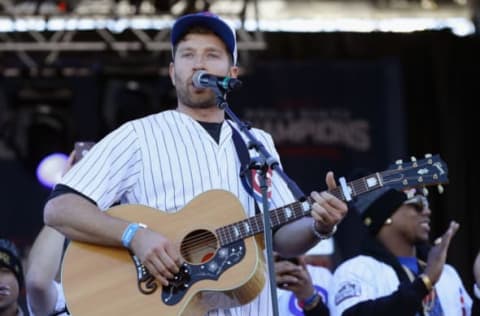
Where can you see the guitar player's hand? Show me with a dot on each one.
(157, 253)
(327, 210)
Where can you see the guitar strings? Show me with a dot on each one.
(358, 186)
(206, 237)
(198, 240)
(239, 230)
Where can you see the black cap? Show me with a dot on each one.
(377, 206)
(10, 259)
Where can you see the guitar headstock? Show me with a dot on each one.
(419, 174)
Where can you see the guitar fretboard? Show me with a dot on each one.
(288, 213)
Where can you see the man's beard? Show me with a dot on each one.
(188, 99)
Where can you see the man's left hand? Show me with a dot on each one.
(327, 210)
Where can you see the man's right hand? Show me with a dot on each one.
(438, 254)
(157, 254)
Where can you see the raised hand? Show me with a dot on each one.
(476, 269)
(438, 254)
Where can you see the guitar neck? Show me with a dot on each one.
(288, 213)
(429, 171)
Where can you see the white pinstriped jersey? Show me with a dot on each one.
(165, 160)
(364, 278)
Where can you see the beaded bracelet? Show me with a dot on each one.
(321, 236)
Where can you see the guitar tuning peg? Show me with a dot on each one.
(428, 155)
(440, 188)
(425, 191)
(413, 158)
(399, 162)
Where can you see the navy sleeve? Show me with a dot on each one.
(476, 306)
(406, 301)
(64, 189)
(320, 310)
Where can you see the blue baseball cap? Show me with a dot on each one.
(212, 22)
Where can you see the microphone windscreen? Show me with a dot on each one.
(197, 78)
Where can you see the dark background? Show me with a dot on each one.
(418, 92)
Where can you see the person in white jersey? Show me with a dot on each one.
(42, 278)
(167, 159)
(44, 292)
(394, 275)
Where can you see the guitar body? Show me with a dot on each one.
(102, 281)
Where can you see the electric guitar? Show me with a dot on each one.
(221, 248)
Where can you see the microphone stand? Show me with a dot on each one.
(261, 164)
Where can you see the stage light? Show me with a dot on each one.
(50, 169)
(40, 125)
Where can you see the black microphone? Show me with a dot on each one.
(202, 79)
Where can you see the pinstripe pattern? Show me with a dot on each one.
(165, 160)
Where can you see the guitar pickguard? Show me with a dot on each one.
(145, 281)
(225, 258)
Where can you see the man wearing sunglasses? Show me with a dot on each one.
(389, 277)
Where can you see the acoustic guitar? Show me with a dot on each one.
(221, 248)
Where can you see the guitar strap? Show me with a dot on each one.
(244, 156)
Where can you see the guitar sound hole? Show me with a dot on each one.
(199, 246)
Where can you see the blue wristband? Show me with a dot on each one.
(309, 300)
(129, 233)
